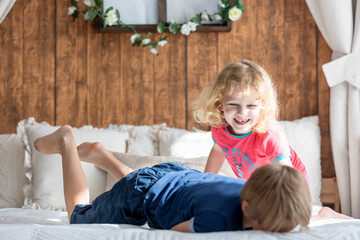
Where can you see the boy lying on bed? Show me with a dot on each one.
(173, 196)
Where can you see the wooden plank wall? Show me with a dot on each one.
(63, 72)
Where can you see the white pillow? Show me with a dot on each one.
(304, 137)
(137, 161)
(143, 139)
(44, 189)
(12, 178)
(185, 144)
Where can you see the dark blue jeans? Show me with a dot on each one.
(124, 203)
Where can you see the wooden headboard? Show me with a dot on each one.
(329, 193)
(63, 72)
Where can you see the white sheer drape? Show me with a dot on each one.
(5, 6)
(339, 23)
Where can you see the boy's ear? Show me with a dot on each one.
(244, 208)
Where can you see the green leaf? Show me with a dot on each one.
(89, 15)
(73, 2)
(131, 27)
(137, 42)
(75, 15)
(225, 16)
(108, 10)
(161, 27)
(196, 19)
(163, 38)
(99, 3)
(174, 27)
(242, 8)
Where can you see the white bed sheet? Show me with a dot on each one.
(17, 223)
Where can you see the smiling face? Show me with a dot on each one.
(241, 111)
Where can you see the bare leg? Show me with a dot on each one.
(62, 141)
(97, 154)
(327, 213)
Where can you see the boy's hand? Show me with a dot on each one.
(181, 227)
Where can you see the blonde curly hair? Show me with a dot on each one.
(238, 75)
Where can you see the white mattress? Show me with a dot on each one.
(17, 223)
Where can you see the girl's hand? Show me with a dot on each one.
(286, 162)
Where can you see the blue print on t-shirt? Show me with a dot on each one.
(242, 161)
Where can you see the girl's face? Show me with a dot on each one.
(241, 111)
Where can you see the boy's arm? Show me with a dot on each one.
(215, 160)
(206, 222)
(182, 227)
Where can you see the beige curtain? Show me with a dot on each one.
(339, 23)
(5, 6)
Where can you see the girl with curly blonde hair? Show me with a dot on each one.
(242, 109)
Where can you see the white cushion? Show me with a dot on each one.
(143, 139)
(304, 137)
(137, 161)
(44, 189)
(12, 178)
(185, 144)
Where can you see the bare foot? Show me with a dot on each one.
(56, 141)
(94, 153)
(327, 213)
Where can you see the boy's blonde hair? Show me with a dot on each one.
(239, 75)
(277, 195)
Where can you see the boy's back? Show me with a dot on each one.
(212, 200)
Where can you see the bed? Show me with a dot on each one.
(19, 223)
(31, 196)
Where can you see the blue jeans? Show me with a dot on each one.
(123, 204)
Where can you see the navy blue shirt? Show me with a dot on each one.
(210, 200)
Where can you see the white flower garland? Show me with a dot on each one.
(228, 9)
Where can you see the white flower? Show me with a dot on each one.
(185, 29)
(221, 4)
(89, 3)
(234, 14)
(111, 17)
(162, 43)
(192, 26)
(205, 16)
(134, 37)
(146, 41)
(71, 10)
(217, 17)
(158, 30)
(153, 51)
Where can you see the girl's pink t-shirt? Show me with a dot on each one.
(247, 152)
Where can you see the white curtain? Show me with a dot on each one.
(5, 6)
(339, 23)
